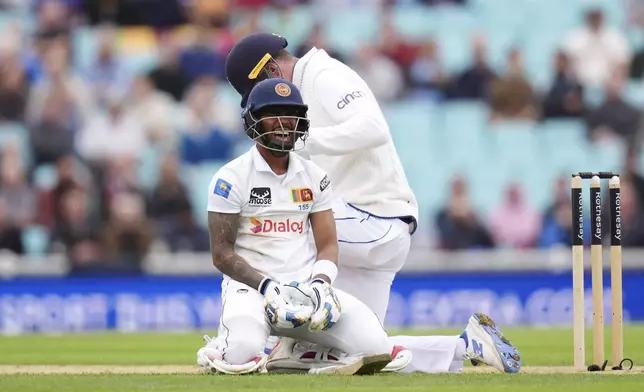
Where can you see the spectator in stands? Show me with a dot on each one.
(154, 109)
(17, 196)
(397, 48)
(75, 233)
(474, 82)
(67, 180)
(53, 26)
(511, 95)
(635, 13)
(117, 176)
(214, 13)
(316, 39)
(206, 94)
(112, 135)
(14, 84)
(51, 137)
(108, 75)
(203, 139)
(515, 223)
(565, 97)
(53, 18)
(596, 50)
(168, 75)
(199, 59)
(427, 73)
(128, 234)
(557, 225)
(382, 74)
(172, 212)
(61, 82)
(10, 235)
(252, 4)
(614, 117)
(250, 24)
(458, 225)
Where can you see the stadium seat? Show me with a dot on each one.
(17, 134)
(348, 29)
(416, 132)
(464, 134)
(35, 240)
(565, 145)
(45, 176)
(454, 30)
(607, 155)
(198, 179)
(593, 96)
(84, 46)
(149, 168)
(288, 24)
(414, 22)
(634, 94)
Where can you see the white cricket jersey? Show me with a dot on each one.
(350, 139)
(274, 211)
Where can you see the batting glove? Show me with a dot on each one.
(327, 307)
(286, 306)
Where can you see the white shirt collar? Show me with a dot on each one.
(300, 66)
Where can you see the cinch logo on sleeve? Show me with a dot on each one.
(271, 226)
(347, 99)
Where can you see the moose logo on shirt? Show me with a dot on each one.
(260, 197)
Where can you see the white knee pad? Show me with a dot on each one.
(210, 359)
(241, 351)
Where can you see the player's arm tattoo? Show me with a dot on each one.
(223, 234)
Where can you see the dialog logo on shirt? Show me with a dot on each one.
(347, 99)
(301, 195)
(260, 196)
(276, 226)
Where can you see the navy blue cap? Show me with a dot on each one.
(247, 59)
(274, 92)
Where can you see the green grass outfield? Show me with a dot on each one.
(146, 362)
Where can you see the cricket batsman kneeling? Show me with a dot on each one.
(262, 207)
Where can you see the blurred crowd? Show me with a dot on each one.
(87, 126)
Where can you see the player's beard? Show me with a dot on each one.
(279, 148)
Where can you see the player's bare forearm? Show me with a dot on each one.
(326, 238)
(223, 234)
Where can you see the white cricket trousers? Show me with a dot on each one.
(244, 329)
(372, 251)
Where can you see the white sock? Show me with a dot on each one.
(461, 350)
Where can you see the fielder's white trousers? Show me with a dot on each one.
(372, 251)
(244, 329)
